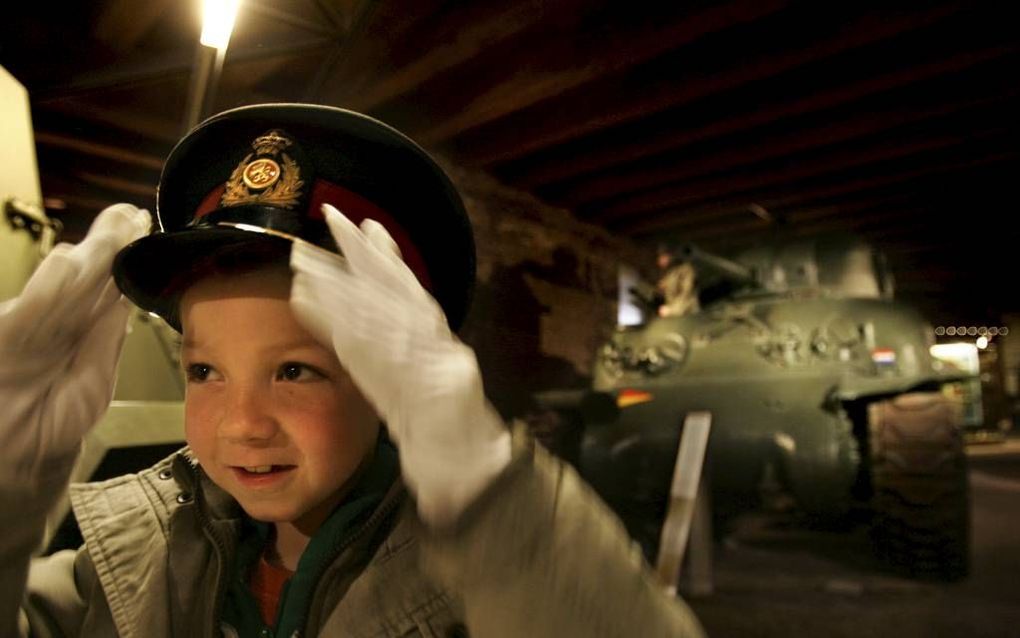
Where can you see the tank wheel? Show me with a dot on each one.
(919, 494)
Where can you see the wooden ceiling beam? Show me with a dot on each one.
(158, 69)
(690, 193)
(572, 161)
(342, 15)
(786, 220)
(118, 184)
(378, 35)
(475, 29)
(84, 202)
(98, 186)
(290, 18)
(612, 104)
(851, 218)
(655, 172)
(95, 149)
(546, 67)
(666, 217)
(123, 23)
(125, 119)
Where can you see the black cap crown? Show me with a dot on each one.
(261, 174)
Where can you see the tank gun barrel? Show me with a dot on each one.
(711, 266)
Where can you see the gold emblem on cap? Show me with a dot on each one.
(262, 180)
(272, 143)
(260, 174)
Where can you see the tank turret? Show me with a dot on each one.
(713, 268)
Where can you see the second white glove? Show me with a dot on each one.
(393, 339)
(60, 340)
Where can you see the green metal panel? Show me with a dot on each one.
(19, 180)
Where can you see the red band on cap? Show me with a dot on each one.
(354, 207)
(211, 201)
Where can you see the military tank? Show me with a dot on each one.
(815, 377)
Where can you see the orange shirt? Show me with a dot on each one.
(267, 583)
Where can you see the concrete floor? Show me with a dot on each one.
(773, 577)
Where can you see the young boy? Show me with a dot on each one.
(304, 331)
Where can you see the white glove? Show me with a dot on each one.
(59, 345)
(393, 339)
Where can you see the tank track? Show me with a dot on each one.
(919, 488)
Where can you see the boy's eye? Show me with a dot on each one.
(297, 372)
(199, 372)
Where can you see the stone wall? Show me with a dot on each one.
(546, 295)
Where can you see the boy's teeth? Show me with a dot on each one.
(259, 469)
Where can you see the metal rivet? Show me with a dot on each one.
(166, 474)
(183, 497)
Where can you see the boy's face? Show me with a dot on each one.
(262, 395)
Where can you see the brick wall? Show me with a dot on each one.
(546, 292)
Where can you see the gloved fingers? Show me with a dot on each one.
(379, 237)
(39, 319)
(85, 390)
(119, 224)
(55, 273)
(373, 254)
(426, 304)
(314, 268)
(114, 228)
(367, 260)
(333, 307)
(327, 296)
(367, 330)
(54, 310)
(42, 291)
(316, 309)
(351, 314)
(109, 296)
(317, 262)
(385, 275)
(60, 295)
(99, 348)
(307, 305)
(68, 324)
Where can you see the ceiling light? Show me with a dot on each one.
(218, 22)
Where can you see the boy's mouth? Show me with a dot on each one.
(261, 472)
(260, 469)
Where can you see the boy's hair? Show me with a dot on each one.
(265, 253)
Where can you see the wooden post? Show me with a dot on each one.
(676, 527)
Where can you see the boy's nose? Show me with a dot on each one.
(247, 418)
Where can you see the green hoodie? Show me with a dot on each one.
(241, 610)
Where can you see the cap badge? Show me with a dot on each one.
(267, 176)
(262, 173)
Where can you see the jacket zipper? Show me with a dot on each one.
(379, 514)
(218, 544)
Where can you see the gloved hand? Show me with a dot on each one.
(60, 340)
(393, 339)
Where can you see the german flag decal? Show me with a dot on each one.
(629, 397)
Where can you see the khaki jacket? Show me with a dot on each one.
(537, 555)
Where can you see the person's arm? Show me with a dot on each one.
(532, 551)
(539, 554)
(60, 340)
